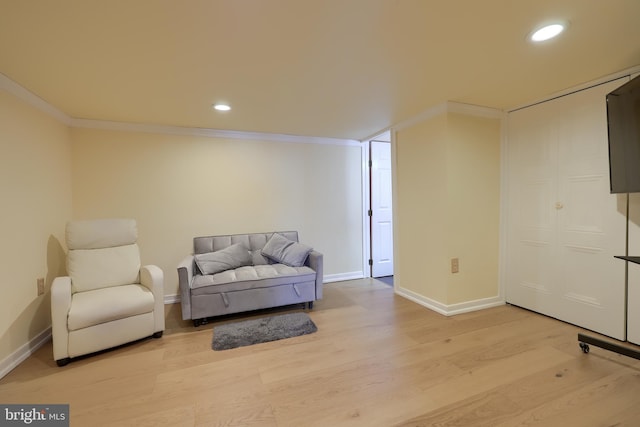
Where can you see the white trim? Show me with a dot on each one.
(24, 351)
(504, 197)
(172, 299)
(35, 101)
(394, 206)
(375, 136)
(450, 107)
(366, 203)
(366, 197)
(329, 278)
(474, 110)
(587, 85)
(425, 115)
(206, 132)
(32, 99)
(450, 309)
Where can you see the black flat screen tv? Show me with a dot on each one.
(623, 122)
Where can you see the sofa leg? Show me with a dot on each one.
(63, 362)
(198, 322)
(157, 334)
(310, 305)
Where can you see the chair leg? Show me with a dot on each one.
(63, 362)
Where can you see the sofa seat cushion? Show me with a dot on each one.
(98, 306)
(250, 277)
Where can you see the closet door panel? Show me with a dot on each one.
(633, 307)
(532, 193)
(563, 226)
(591, 230)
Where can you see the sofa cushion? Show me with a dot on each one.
(285, 251)
(92, 308)
(231, 257)
(250, 277)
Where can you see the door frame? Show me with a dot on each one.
(366, 199)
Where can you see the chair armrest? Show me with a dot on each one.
(152, 277)
(315, 261)
(60, 305)
(185, 276)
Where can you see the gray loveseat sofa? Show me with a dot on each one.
(241, 272)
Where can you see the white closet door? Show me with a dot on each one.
(633, 309)
(633, 306)
(531, 234)
(564, 226)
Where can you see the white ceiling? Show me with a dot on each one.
(325, 68)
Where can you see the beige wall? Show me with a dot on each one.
(447, 205)
(421, 208)
(178, 187)
(35, 185)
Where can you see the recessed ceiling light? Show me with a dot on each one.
(221, 107)
(547, 32)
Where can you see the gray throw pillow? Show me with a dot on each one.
(231, 257)
(285, 251)
(258, 258)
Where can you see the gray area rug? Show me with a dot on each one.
(254, 331)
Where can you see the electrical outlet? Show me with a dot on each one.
(40, 286)
(455, 265)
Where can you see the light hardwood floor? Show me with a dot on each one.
(376, 360)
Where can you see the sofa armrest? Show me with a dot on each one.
(60, 305)
(185, 276)
(315, 261)
(152, 277)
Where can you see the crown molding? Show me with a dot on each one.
(474, 110)
(206, 132)
(450, 107)
(35, 101)
(32, 99)
(425, 115)
(629, 72)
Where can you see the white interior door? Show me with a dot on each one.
(381, 210)
(564, 226)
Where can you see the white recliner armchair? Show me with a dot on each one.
(107, 299)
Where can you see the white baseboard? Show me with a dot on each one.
(450, 309)
(172, 299)
(26, 350)
(328, 278)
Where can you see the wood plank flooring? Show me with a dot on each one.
(376, 360)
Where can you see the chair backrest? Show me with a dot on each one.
(102, 253)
